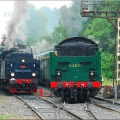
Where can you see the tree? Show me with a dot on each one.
(59, 34)
(107, 64)
(104, 33)
(37, 25)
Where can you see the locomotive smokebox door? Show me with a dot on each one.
(118, 91)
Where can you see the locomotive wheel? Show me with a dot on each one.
(88, 95)
(62, 95)
(68, 99)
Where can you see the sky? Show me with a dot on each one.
(51, 4)
(7, 7)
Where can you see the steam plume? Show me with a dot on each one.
(42, 46)
(71, 18)
(16, 26)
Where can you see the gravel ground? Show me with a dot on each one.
(111, 99)
(103, 114)
(12, 108)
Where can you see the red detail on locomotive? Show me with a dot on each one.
(33, 90)
(20, 81)
(22, 66)
(79, 84)
(13, 90)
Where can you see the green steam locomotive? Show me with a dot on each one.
(72, 69)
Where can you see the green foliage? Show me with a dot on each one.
(11, 116)
(59, 34)
(107, 82)
(37, 25)
(107, 63)
(32, 40)
(104, 33)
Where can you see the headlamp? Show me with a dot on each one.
(33, 74)
(58, 73)
(23, 60)
(91, 73)
(12, 74)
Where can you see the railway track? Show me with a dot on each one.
(107, 100)
(62, 106)
(87, 109)
(106, 104)
(14, 108)
(37, 114)
(46, 109)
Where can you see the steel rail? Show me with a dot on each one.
(107, 108)
(89, 111)
(106, 100)
(62, 108)
(38, 115)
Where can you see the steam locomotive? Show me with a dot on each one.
(19, 71)
(72, 69)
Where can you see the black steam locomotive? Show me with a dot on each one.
(19, 71)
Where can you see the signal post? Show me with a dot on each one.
(117, 70)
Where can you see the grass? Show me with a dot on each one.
(107, 82)
(11, 117)
(3, 97)
(8, 116)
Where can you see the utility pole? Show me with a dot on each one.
(92, 8)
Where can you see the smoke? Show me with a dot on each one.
(94, 39)
(16, 27)
(71, 18)
(42, 46)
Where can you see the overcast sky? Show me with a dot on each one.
(7, 7)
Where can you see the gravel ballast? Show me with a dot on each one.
(12, 108)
